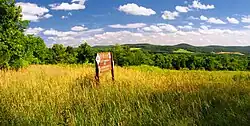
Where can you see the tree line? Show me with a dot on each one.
(125, 56)
(19, 50)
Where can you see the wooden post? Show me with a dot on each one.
(97, 73)
(112, 67)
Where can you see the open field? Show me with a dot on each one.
(63, 95)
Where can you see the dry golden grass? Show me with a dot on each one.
(66, 95)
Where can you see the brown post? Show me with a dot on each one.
(112, 67)
(97, 78)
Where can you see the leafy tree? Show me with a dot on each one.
(119, 54)
(58, 54)
(86, 54)
(71, 57)
(38, 50)
(15, 47)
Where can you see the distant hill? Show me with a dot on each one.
(182, 51)
(187, 47)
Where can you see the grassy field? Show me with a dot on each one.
(65, 95)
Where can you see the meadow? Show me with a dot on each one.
(142, 95)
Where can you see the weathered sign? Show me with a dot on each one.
(104, 63)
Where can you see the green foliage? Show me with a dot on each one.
(58, 53)
(85, 54)
(17, 50)
(182, 51)
(124, 56)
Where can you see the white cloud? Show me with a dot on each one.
(64, 17)
(215, 21)
(193, 18)
(34, 31)
(167, 15)
(48, 15)
(33, 12)
(53, 32)
(70, 14)
(181, 33)
(160, 28)
(248, 26)
(204, 27)
(167, 27)
(198, 5)
(79, 28)
(186, 27)
(80, 1)
(75, 5)
(70, 38)
(134, 9)
(245, 19)
(182, 9)
(232, 20)
(135, 25)
(220, 31)
(190, 23)
(199, 38)
(152, 28)
(203, 18)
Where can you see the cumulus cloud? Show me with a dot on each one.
(203, 18)
(74, 5)
(221, 31)
(185, 27)
(71, 38)
(167, 27)
(48, 16)
(152, 28)
(34, 31)
(134, 25)
(168, 15)
(248, 26)
(215, 21)
(204, 27)
(245, 19)
(198, 5)
(193, 18)
(53, 32)
(160, 28)
(190, 23)
(182, 9)
(161, 34)
(199, 38)
(134, 9)
(33, 12)
(79, 28)
(232, 20)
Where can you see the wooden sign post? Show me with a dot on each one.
(104, 62)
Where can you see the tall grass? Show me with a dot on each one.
(67, 95)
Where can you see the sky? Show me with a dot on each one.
(159, 22)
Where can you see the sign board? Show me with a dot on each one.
(104, 63)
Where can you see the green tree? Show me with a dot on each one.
(38, 50)
(14, 45)
(71, 57)
(120, 54)
(86, 54)
(58, 53)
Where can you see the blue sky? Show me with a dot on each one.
(165, 22)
